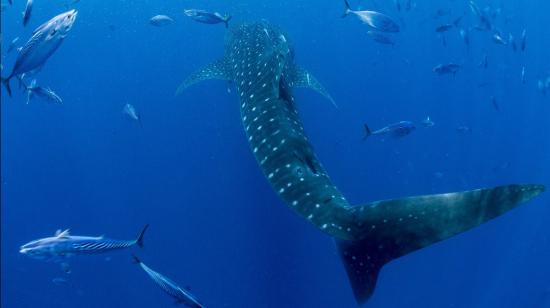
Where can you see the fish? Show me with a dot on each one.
(450, 68)
(444, 28)
(62, 245)
(161, 20)
(45, 93)
(523, 75)
(208, 17)
(396, 130)
(495, 103)
(463, 129)
(12, 44)
(41, 46)
(374, 19)
(484, 62)
(523, 39)
(27, 13)
(259, 60)
(181, 295)
(512, 42)
(497, 38)
(132, 113)
(380, 38)
(427, 122)
(465, 35)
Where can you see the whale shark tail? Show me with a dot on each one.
(386, 230)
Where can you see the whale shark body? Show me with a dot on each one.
(259, 61)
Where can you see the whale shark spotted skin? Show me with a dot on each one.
(259, 61)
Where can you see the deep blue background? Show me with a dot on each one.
(215, 223)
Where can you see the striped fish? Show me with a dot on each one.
(62, 244)
(181, 295)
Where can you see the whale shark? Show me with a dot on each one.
(259, 61)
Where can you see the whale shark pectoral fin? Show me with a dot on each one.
(215, 70)
(386, 230)
(300, 78)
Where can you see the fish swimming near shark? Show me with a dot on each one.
(259, 61)
(376, 20)
(43, 43)
(181, 295)
(396, 130)
(63, 244)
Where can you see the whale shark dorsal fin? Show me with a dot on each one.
(62, 234)
(300, 78)
(216, 70)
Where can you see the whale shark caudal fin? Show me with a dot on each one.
(216, 70)
(386, 230)
(300, 78)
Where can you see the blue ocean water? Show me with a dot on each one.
(215, 223)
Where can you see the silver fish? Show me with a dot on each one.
(427, 122)
(27, 13)
(497, 38)
(523, 75)
(374, 19)
(62, 244)
(523, 40)
(131, 112)
(181, 295)
(450, 68)
(208, 17)
(160, 20)
(45, 93)
(43, 43)
(380, 38)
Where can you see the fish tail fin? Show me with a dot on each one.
(136, 259)
(347, 9)
(6, 83)
(368, 132)
(139, 240)
(226, 20)
(382, 231)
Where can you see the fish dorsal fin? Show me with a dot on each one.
(216, 70)
(62, 234)
(300, 78)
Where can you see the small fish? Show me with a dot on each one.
(27, 13)
(512, 42)
(45, 93)
(457, 21)
(523, 75)
(464, 34)
(59, 281)
(427, 122)
(408, 5)
(523, 39)
(62, 244)
(132, 113)
(484, 62)
(463, 129)
(160, 20)
(441, 12)
(397, 5)
(450, 68)
(396, 130)
(208, 17)
(374, 19)
(12, 44)
(181, 295)
(380, 38)
(497, 38)
(43, 43)
(495, 103)
(444, 28)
